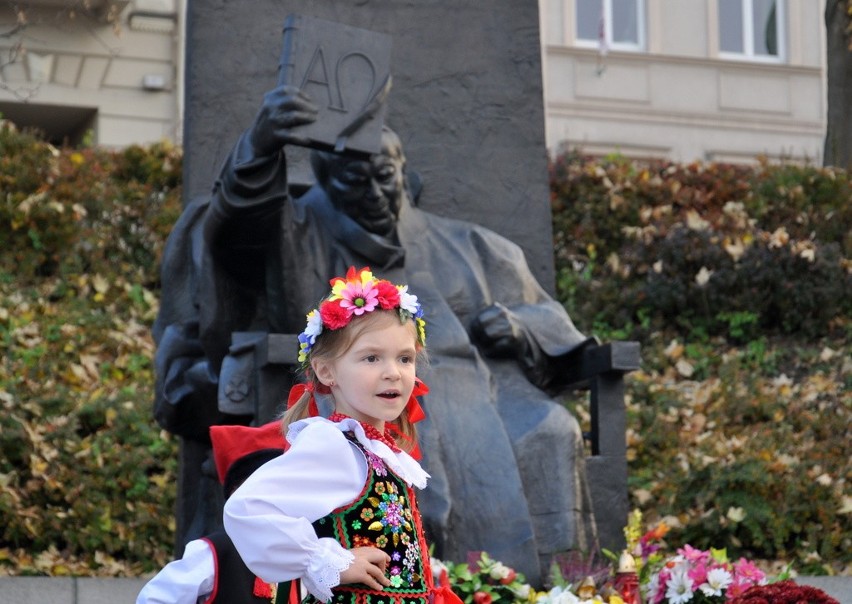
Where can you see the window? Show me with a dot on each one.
(752, 29)
(616, 24)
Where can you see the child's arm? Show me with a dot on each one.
(269, 517)
(183, 581)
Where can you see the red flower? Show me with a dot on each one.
(334, 316)
(388, 295)
(481, 597)
(510, 576)
(784, 592)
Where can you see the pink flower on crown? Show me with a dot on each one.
(358, 298)
(358, 293)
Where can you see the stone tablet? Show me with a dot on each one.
(345, 70)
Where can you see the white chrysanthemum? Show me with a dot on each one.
(718, 580)
(314, 326)
(679, 588)
(408, 301)
(558, 595)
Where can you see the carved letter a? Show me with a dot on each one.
(321, 79)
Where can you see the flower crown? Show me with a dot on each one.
(353, 296)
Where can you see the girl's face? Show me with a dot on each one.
(373, 379)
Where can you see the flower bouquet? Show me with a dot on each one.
(483, 580)
(701, 577)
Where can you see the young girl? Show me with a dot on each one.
(338, 510)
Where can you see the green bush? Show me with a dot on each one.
(87, 475)
(693, 246)
(737, 281)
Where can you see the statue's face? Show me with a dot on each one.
(370, 192)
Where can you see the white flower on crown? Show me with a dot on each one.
(314, 326)
(408, 301)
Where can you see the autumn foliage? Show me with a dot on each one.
(86, 477)
(737, 281)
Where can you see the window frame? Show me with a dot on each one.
(748, 54)
(638, 46)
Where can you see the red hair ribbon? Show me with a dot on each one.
(298, 390)
(415, 414)
(413, 408)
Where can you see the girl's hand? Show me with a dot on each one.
(367, 568)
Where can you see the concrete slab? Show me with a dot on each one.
(23, 590)
(839, 588)
(93, 590)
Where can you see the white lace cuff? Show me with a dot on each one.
(324, 568)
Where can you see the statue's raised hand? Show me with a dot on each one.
(284, 109)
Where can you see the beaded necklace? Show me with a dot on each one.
(371, 432)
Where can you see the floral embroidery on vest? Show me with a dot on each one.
(384, 515)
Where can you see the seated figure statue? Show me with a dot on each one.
(506, 460)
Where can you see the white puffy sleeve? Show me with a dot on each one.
(269, 517)
(186, 581)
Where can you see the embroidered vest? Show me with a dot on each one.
(385, 516)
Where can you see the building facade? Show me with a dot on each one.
(714, 80)
(105, 72)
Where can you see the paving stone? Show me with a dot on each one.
(93, 590)
(24, 590)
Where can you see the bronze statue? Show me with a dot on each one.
(507, 470)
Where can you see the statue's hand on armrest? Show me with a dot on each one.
(284, 109)
(499, 333)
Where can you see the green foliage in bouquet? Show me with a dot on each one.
(483, 580)
(86, 475)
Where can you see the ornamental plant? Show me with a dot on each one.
(701, 577)
(483, 580)
(691, 575)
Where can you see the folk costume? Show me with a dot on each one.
(210, 569)
(343, 484)
(336, 489)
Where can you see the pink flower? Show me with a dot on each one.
(698, 572)
(694, 556)
(359, 298)
(745, 570)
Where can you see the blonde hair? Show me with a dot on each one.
(331, 345)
